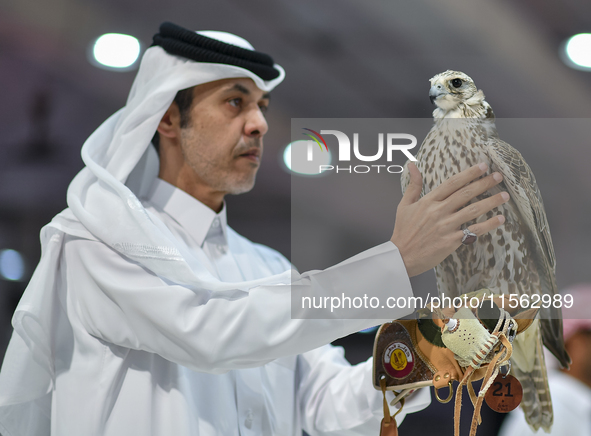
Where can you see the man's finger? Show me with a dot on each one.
(483, 227)
(456, 182)
(468, 192)
(474, 210)
(414, 188)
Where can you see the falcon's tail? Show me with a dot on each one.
(536, 403)
(553, 339)
(551, 317)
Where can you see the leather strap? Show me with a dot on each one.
(491, 372)
(388, 426)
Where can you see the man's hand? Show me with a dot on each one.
(428, 229)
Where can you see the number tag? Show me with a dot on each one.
(505, 394)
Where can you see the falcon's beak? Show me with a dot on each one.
(435, 92)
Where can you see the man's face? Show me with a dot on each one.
(223, 141)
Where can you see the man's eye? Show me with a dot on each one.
(235, 102)
(263, 108)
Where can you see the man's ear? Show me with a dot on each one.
(170, 124)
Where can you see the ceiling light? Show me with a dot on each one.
(577, 52)
(12, 265)
(305, 157)
(116, 51)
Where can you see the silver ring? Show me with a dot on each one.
(469, 237)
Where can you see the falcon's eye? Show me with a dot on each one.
(456, 83)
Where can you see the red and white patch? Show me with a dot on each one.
(398, 360)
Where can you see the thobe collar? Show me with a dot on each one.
(201, 222)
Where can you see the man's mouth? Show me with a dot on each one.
(253, 154)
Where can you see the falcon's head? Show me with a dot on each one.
(452, 88)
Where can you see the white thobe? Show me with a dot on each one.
(148, 357)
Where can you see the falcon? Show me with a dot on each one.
(516, 258)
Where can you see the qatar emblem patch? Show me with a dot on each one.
(398, 360)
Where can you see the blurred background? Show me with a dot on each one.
(344, 59)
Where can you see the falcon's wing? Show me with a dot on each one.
(523, 188)
(521, 184)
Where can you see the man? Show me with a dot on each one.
(148, 315)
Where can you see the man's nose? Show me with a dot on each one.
(256, 124)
